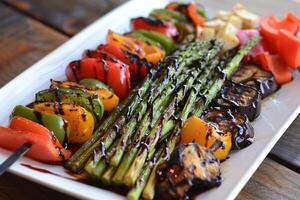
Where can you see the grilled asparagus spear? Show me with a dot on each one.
(127, 130)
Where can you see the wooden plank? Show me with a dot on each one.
(13, 187)
(68, 17)
(272, 181)
(287, 149)
(22, 43)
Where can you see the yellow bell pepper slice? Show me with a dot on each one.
(201, 132)
(79, 120)
(108, 98)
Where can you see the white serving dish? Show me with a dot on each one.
(278, 111)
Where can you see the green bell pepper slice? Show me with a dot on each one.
(169, 14)
(90, 101)
(89, 82)
(164, 41)
(144, 38)
(201, 11)
(54, 123)
(184, 26)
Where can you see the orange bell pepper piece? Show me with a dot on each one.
(125, 43)
(135, 46)
(197, 19)
(201, 132)
(275, 64)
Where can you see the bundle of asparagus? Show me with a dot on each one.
(143, 131)
(158, 78)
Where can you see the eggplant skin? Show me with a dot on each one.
(240, 98)
(191, 169)
(234, 122)
(253, 76)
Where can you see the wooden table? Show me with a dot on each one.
(29, 29)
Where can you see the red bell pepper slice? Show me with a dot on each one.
(264, 61)
(151, 24)
(115, 74)
(267, 46)
(118, 77)
(101, 55)
(275, 64)
(290, 23)
(289, 48)
(138, 67)
(268, 31)
(85, 68)
(192, 13)
(280, 39)
(270, 26)
(45, 146)
(291, 16)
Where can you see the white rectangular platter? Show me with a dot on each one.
(278, 111)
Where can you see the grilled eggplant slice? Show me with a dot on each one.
(256, 77)
(191, 168)
(241, 98)
(234, 122)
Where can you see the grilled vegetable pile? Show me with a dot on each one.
(158, 108)
(65, 114)
(72, 110)
(136, 138)
(126, 59)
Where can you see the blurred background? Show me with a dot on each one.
(69, 16)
